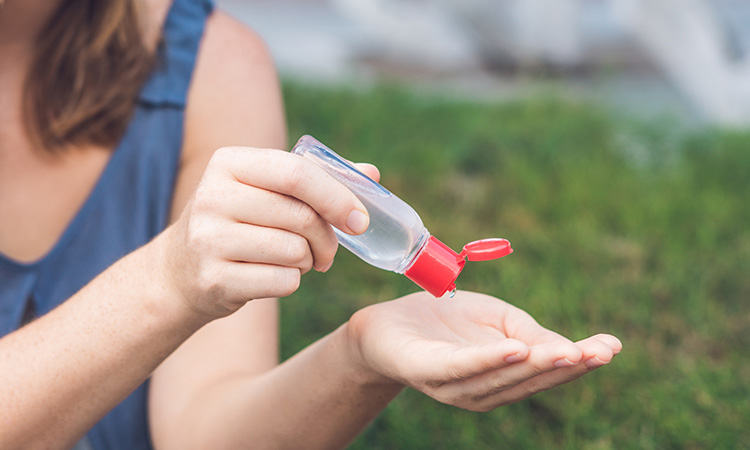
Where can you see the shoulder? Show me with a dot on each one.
(234, 99)
(235, 83)
(228, 41)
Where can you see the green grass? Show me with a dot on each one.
(618, 226)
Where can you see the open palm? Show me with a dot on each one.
(473, 351)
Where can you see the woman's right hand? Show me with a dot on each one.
(257, 221)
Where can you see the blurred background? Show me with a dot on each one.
(683, 57)
(607, 139)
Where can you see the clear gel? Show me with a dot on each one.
(395, 234)
(396, 239)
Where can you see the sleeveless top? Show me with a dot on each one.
(129, 205)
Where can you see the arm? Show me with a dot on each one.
(60, 374)
(109, 336)
(222, 388)
(227, 365)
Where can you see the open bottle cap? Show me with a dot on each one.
(486, 249)
(437, 266)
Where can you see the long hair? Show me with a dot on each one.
(89, 64)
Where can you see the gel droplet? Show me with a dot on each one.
(452, 293)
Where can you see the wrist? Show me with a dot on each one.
(349, 340)
(169, 297)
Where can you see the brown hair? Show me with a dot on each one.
(89, 64)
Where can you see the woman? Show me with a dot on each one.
(131, 250)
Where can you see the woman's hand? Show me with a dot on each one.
(257, 221)
(472, 351)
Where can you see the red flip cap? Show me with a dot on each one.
(436, 268)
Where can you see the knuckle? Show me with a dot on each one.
(496, 386)
(210, 281)
(434, 383)
(481, 407)
(489, 401)
(306, 217)
(297, 172)
(457, 398)
(456, 367)
(502, 384)
(468, 402)
(222, 155)
(201, 197)
(537, 367)
(328, 252)
(288, 281)
(223, 162)
(207, 198)
(533, 386)
(305, 265)
(198, 238)
(453, 371)
(334, 205)
(296, 250)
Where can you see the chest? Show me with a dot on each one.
(40, 195)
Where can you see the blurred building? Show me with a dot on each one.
(651, 54)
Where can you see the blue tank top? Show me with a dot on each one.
(129, 205)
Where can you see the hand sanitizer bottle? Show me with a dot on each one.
(396, 239)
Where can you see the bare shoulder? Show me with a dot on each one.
(235, 83)
(228, 43)
(234, 99)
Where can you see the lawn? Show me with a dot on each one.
(637, 229)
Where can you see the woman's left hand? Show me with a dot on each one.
(472, 351)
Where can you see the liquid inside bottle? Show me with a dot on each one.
(395, 235)
(396, 239)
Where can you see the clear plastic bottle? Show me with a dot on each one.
(396, 239)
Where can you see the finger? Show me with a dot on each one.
(614, 343)
(542, 358)
(521, 325)
(369, 170)
(448, 363)
(233, 284)
(270, 209)
(527, 388)
(596, 352)
(297, 177)
(591, 348)
(254, 244)
(502, 316)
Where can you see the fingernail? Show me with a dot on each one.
(326, 267)
(514, 358)
(564, 362)
(594, 362)
(357, 221)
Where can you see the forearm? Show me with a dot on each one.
(316, 400)
(63, 372)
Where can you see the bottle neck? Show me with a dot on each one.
(414, 253)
